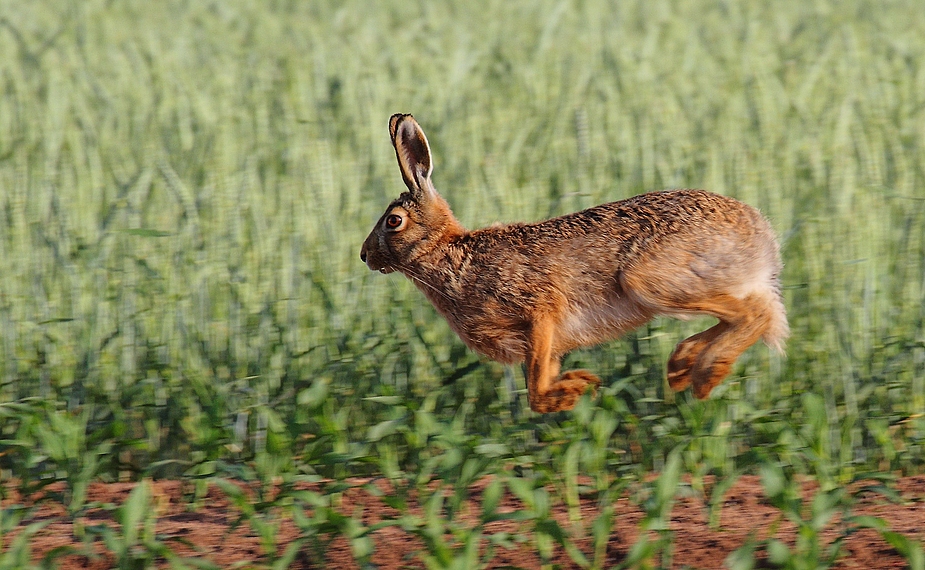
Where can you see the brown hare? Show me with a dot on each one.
(532, 292)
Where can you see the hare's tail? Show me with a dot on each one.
(777, 330)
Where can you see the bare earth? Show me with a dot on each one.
(204, 530)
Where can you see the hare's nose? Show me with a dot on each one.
(363, 255)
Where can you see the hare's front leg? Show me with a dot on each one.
(547, 390)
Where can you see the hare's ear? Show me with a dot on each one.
(413, 154)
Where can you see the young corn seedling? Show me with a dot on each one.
(134, 543)
(17, 554)
(811, 518)
(320, 522)
(648, 553)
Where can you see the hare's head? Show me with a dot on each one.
(419, 220)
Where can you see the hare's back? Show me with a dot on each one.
(687, 212)
(704, 243)
(676, 221)
(676, 227)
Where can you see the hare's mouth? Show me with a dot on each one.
(373, 266)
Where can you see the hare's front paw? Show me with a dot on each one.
(565, 391)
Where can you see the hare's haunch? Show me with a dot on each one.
(533, 292)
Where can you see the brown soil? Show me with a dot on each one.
(203, 529)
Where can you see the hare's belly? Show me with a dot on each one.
(504, 339)
(500, 341)
(594, 323)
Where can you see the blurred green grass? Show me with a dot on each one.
(184, 187)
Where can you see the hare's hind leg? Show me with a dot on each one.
(706, 358)
(547, 390)
(742, 323)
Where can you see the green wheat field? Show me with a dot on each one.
(185, 186)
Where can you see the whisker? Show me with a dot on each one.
(417, 277)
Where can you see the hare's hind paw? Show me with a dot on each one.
(679, 367)
(705, 378)
(686, 367)
(683, 360)
(565, 391)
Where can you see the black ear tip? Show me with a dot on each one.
(395, 120)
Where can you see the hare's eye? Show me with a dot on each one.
(393, 221)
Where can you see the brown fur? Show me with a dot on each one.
(533, 292)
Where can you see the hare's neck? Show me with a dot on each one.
(434, 269)
(437, 272)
